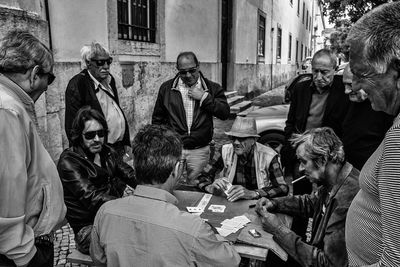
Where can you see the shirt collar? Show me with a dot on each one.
(155, 193)
(15, 90)
(181, 83)
(96, 82)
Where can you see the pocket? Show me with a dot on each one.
(43, 222)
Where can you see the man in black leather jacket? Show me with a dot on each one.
(90, 173)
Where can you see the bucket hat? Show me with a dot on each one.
(243, 127)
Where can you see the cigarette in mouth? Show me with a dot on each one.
(298, 179)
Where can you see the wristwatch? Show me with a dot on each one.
(258, 195)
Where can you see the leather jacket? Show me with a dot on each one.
(87, 186)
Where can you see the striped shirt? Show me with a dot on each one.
(188, 102)
(373, 219)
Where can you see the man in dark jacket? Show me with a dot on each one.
(315, 103)
(187, 103)
(322, 158)
(90, 173)
(95, 87)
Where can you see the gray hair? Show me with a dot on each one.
(328, 53)
(21, 51)
(379, 32)
(91, 51)
(321, 145)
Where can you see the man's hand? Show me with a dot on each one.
(218, 184)
(239, 192)
(270, 221)
(265, 204)
(196, 93)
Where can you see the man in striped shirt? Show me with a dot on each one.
(372, 225)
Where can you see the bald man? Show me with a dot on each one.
(363, 128)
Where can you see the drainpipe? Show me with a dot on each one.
(46, 7)
(272, 43)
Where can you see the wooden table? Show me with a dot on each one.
(237, 208)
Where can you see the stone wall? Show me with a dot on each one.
(252, 80)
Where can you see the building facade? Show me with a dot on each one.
(249, 46)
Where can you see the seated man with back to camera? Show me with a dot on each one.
(90, 173)
(148, 229)
(322, 158)
(252, 168)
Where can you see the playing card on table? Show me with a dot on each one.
(194, 209)
(217, 208)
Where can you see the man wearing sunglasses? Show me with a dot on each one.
(249, 169)
(90, 173)
(187, 103)
(31, 200)
(95, 87)
(148, 229)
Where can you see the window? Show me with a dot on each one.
(290, 47)
(301, 53)
(297, 51)
(307, 20)
(137, 20)
(279, 43)
(309, 24)
(298, 7)
(261, 35)
(304, 9)
(305, 52)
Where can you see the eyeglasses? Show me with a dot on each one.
(234, 138)
(184, 72)
(92, 134)
(50, 76)
(101, 62)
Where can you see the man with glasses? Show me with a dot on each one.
(187, 103)
(250, 170)
(95, 87)
(315, 103)
(31, 202)
(90, 173)
(148, 229)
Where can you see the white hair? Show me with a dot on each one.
(89, 52)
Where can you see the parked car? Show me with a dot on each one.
(270, 123)
(305, 66)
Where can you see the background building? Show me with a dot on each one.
(249, 46)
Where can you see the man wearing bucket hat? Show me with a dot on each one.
(253, 170)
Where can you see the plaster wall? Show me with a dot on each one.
(75, 23)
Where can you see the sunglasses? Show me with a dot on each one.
(234, 138)
(191, 71)
(92, 134)
(101, 62)
(50, 76)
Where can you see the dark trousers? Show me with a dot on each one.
(44, 256)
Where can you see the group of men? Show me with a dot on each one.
(147, 228)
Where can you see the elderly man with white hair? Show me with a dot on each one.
(322, 159)
(95, 87)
